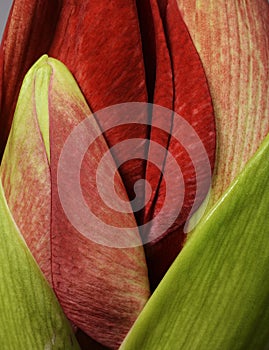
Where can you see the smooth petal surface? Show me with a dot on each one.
(232, 39)
(30, 315)
(101, 289)
(216, 294)
(28, 34)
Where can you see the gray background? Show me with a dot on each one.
(4, 10)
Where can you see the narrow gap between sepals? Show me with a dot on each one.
(148, 40)
(147, 32)
(162, 5)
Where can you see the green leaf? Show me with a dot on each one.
(30, 316)
(216, 294)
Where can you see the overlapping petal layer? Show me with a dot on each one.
(216, 293)
(101, 289)
(121, 51)
(31, 317)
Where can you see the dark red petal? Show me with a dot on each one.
(27, 36)
(100, 43)
(192, 101)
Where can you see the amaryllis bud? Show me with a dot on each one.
(121, 52)
(112, 68)
(137, 61)
(215, 296)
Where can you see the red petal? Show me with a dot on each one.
(232, 38)
(192, 101)
(101, 45)
(27, 36)
(159, 70)
(102, 289)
